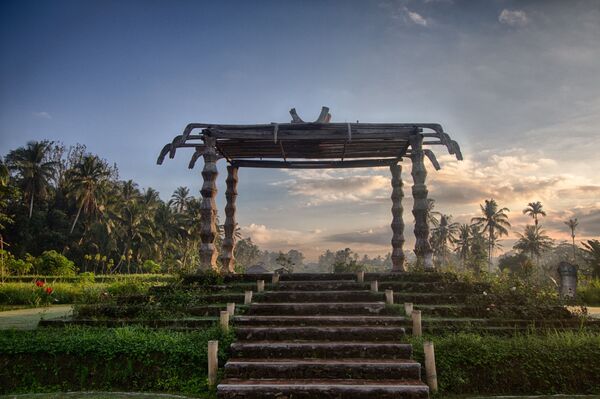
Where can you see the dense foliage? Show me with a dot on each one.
(565, 362)
(130, 359)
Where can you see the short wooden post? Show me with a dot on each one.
(260, 285)
(389, 297)
(231, 308)
(408, 308)
(374, 286)
(430, 366)
(275, 278)
(247, 297)
(225, 320)
(360, 277)
(416, 318)
(213, 362)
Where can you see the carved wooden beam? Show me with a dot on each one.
(358, 163)
(419, 192)
(208, 208)
(227, 259)
(398, 257)
(324, 116)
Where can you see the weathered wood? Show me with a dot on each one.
(224, 320)
(419, 192)
(247, 297)
(231, 308)
(397, 225)
(208, 208)
(360, 277)
(408, 308)
(213, 362)
(228, 245)
(368, 163)
(417, 329)
(374, 286)
(260, 285)
(389, 297)
(430, 369)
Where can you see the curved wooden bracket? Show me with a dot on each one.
(163, 153)
(324, 116)
(429, 154)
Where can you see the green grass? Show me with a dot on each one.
(27, 319)
(94, 395)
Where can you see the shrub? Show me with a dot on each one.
(151, 266)
(566, 362)
(132, 359)
(589, 293)
(53, 263)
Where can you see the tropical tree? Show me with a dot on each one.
(463, 242)
(85, 183)
(592, 252)
(572, 224)
(494, 222)
(535, 210)
(534, 241)
(432, 214)
(34, 170)
(444, 235)
(180, 198)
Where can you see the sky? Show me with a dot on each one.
(516, 83)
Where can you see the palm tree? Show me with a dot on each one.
(533, 241)
(495, 222)
(431, 214)
(33, 169)
(180, 198)
(4, 174)
(534, 209)
(444, 234)
(85, 181)
(592, 251)
(573, 223)
(463, 242)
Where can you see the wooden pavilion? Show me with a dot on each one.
(312, 145)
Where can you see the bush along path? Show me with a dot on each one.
(311, 337)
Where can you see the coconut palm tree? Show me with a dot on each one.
(494, 222)
(534, 241)
(85, 183)
(463, 242)
(535, 210)
(592, 251)
(444, 234)
(34, 169)
(180, 198)
(572, 224)
(432, 215)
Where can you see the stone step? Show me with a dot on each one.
(319, 296)
(321, 350)
(322, 389)
(316, 309)
(317, 368)
(298, 321)
(332, 333)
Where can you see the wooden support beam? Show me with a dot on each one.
(227, 260)
(360, 163)
(419, 192)
(208, 208)
(397, 225)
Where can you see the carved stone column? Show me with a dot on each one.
(208, 208)
(397, 221)
(419, 192)
(227, 261)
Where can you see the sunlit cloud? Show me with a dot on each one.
(515, 18)
(42, 115)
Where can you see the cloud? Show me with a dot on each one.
(328, 186)
(380, 235)
(416, 18)
(42, 115)
(516, 18)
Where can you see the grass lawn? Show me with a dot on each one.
(27, 319)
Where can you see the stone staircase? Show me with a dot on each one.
(320, 336)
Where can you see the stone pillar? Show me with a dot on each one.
(397, 221)
(419, 192)
(568, 280)
(208, 208)
(227, 260)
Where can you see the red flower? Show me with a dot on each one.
(39, 283)
(49, 290)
